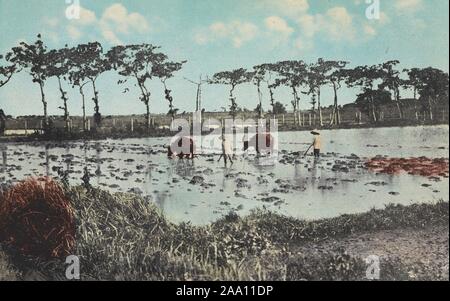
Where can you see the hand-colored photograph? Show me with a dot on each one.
(225, 140)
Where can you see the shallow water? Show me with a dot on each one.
(300, 187)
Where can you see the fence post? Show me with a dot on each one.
(26, 127)
(89, 125)
(283, 118)
(309, 115)
(132, 125)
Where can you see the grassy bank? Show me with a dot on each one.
(122, 237)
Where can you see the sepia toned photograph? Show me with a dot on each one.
(200, 142)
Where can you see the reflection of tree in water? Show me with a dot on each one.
(98, 160)
(4, 150)
(47, 160)
(182, 167)
(160, 199)
(148, 179)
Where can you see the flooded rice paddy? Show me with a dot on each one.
(202, 190)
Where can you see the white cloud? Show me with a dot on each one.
(303, 44)
(278, 25)
(115, 21)
(117, 17)
(336, 24)
(369, 30)
(111, 36)
(292, 7)
(87, 17)
(309, 25)
(237, 32)
(408, 5)
(51, 22)
(73, 32)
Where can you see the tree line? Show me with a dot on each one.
(378, 84)
(84, 64)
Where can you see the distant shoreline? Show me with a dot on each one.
(155, 133)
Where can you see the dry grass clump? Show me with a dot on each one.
(36, 219)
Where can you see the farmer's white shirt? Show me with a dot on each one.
(317, 143)
(226, 147)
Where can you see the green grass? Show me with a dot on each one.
(122, 237)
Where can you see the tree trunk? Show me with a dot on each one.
(44, 103)
(399, 106)
(97, 115)
(334, 114)
(65, 109)
(294, 105)
(319, 107)
(84, 108)
(430, 106)
(372, 107)
(260, 102)
(233, 106)
(147, 114)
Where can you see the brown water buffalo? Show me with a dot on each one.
(263, 142)
(182, 147)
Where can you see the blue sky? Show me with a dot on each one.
(222, 35)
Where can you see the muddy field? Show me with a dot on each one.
(343, 180)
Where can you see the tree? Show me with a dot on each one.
(278, 108)
(6, 73)
(294, 75)
(233, 79)
(165, 71)
(413, 80)
(34, 59)
(391, 80)
(335, 78)
(433, 86)
(258, 75)
(59, 67)
(137, 62)
(90, 62)
(317, 76)
(258, 110)
(371, 101)
(78, 77)
(365, 77)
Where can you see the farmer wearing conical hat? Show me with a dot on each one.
(316, 143)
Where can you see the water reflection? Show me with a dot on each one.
(4, 150)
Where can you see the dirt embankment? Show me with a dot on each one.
(426, 250)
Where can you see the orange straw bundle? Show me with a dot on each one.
(36, 218)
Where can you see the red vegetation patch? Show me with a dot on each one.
(422, 166)
(37, 219)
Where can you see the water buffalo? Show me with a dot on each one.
(182, 147)
(263, 142)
